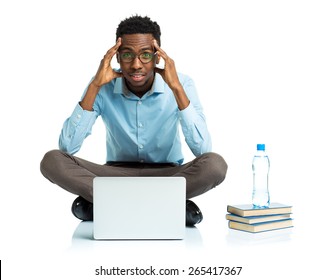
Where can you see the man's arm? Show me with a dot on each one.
(193, 121)
(79, 125)
(104, 75)
(170, 76)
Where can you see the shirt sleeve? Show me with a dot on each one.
(193, 122)
(75, 129)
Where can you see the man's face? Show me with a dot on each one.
(134, 56)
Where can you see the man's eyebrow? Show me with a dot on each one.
(147, 48)
(126, 48)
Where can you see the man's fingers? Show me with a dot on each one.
(116, 46)
(113, 50)
(159, 51)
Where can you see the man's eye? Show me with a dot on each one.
(146, 55)
(127, 55)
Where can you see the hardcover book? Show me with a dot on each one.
(257, 219)
(247, 210)
(261, 226)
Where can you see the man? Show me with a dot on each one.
(142, 107)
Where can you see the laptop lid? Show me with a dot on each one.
(139, 207)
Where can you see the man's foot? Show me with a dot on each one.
(193, 214)
(82, 209)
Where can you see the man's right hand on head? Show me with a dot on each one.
(106, 73)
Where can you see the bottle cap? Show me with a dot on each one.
(260, 147)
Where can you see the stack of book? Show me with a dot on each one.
(247, 218)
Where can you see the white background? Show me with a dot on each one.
(265, 73)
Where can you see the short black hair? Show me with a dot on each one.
(139, 25)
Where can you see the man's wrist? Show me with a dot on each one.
(181, 97)
(176, 87)
(95, 85)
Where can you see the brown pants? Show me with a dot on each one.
(76, 175)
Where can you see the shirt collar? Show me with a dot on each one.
(157, 86)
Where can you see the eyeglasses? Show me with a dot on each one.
(144, 57)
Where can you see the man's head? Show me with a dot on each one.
(136, 54)
(139, 25)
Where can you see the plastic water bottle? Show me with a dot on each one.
(260, 168)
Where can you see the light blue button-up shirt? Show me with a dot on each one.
(141, 129)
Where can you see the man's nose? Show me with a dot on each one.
(136, 63)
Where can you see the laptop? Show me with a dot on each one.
(139, 207)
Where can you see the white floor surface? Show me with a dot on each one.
(54, 244)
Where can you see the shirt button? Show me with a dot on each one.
(140, 125)
(139, 102)
(140, 146)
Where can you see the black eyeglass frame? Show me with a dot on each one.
(138, 56)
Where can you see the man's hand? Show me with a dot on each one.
(103, 76)
(170, 76)
(105, 72)
(169, 73)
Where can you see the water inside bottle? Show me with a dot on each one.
(260, 199)
(260, 195)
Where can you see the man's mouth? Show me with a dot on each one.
(137, 76)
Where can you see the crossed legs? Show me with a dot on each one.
(76, 175)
